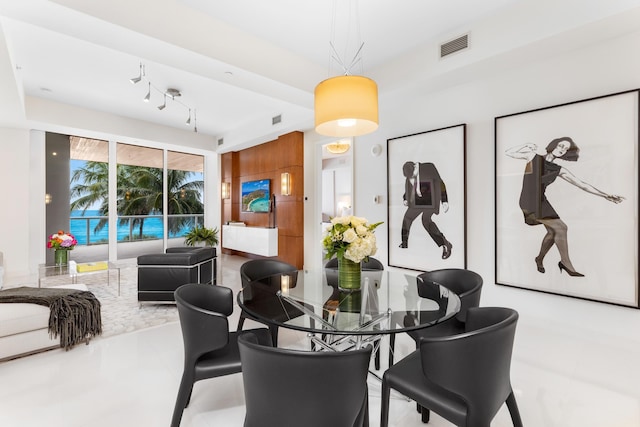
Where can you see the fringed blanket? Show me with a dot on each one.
(74, 314)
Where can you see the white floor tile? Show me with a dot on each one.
(132, 380)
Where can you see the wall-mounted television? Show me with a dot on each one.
(256, 195)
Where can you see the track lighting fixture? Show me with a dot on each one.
(140, 76)
(171, 93)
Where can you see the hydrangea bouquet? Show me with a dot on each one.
(62, 240)
(350, 237)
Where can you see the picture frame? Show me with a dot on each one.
(550, 236)
(429, 231)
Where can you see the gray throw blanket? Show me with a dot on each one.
(74, 314)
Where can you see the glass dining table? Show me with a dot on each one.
(339, 319)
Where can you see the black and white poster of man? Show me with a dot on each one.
(427, 199)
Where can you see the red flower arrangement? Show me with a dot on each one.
(62, 240)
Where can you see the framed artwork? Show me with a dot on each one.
(566, 201)
(427, 199)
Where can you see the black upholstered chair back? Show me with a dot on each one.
(465, 378)
(203, 311)
(257, 269)
(210, 350)
(475, 365)
(285, 387)
(466, 284)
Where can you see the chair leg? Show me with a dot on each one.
(362, 420)
(513, 410)
(392, 345)
(240, 322)
(182, 400)
(425, 414)
(366, 411)
(377, 358)
(274, 335)
(384, 400)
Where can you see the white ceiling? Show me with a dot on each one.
(241, 62)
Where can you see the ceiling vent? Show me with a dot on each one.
(220, 141)
(454, 46)
(277, 119)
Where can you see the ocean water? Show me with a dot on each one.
(153, 227)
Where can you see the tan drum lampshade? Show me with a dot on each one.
(346, 106)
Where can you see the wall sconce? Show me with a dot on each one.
(285, 184)
(226, 190)
(285, 284)
(47, 199)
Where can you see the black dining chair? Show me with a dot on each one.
(284, 387)
(368, 265)
(466, 284)
(257, 269)
(210, 350)
(464, 378)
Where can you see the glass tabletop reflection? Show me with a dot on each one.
(388, 302)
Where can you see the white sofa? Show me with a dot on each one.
(24, 328)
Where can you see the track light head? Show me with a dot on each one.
(148, 96)
(164, 104)
(137, 79)
(188, 122)
(195, 122)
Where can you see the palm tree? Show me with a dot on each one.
(92, 187)
(139, 193)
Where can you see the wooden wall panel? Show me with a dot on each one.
(291, 250)
(268, 161)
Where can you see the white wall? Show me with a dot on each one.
(600, 69)
(15, 181)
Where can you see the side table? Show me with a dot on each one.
(71, 271)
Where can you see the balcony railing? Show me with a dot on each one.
(152, 228)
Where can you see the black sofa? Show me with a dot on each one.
(159, 275)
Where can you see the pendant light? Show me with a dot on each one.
(346, 105)
(340, 146)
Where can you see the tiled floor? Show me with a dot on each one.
(132, 379)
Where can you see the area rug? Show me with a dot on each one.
(122, 314)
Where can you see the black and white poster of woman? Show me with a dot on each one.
(427, 199)
(566, 199)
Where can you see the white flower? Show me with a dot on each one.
(349, 236)
(341, 220)
(362, 230)
(356, 221)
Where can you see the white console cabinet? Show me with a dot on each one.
(253, 240)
